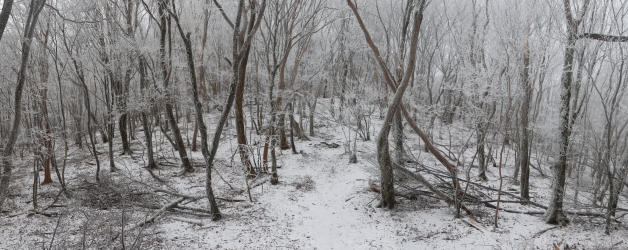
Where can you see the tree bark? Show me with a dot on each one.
(7, 6)
(240, 75)
(283, 142)
(213, 205)
(187, 166)
(43, 94)
(555, 213)
(391, 84)
(312, 109)
(148, 135)
(524, 136)
(482, 162)
(271, 138)
(35, 8)
(292, 125)
(229, 103)
(122, 93)
(383, 154)
(398, 138)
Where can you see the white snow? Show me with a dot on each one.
(321, 202)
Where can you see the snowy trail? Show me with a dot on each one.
(330, 216)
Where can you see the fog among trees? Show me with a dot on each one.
(330, 124)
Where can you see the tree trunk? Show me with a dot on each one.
(555, 213)
(283, 139)
(274, 178)
(148, 135)
(398, 138)
(43, 94)
(35, 8)
(292, 124)
(213, 205)
(482, 162)
(245, 46)
(201, 68)
(110, 132)
(176, 132)
(283, 142)
(614, 199)
(383, 154)
(311, 118)
(194, 136)
(122, 127)
(524, 136)
(7, 6)
(187, 166)
(90, 131)
(240, 74)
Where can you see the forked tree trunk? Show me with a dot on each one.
(213, 205)
(237, 48)
(383, 154)
(201, 68)
(176, 132)
(123, 87)
(178, 139)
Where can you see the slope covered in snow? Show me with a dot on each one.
(321, 202)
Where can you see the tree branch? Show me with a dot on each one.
(603, 37)
(222, 11)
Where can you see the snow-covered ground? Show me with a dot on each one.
(321, 202)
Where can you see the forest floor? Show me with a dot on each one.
(322, 201)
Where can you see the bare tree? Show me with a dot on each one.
(555, 213)
(383, 154)
(29, 29)
(240, 46)
(166, 74)
(187, 42)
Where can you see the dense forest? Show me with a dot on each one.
(333, 124)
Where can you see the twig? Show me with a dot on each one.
(152, 174)
(195, 198)
(544, 231)
(487, 204)
(423, 181)
(474, 223)
(159, 213)
(54, 233)
(230, 199)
